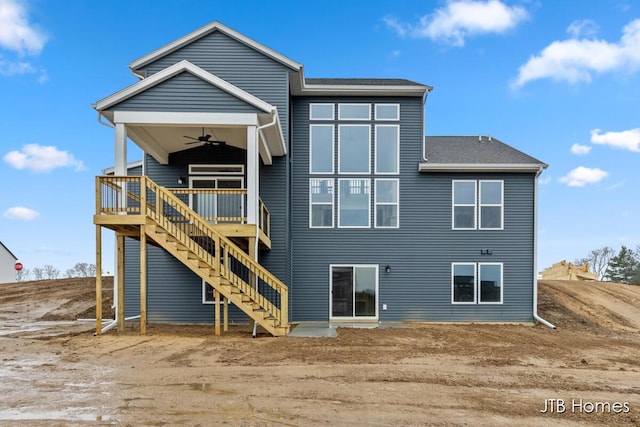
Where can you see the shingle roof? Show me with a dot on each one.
(474, 152)
(361, 82)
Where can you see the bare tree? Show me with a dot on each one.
(23, 275)
(598, 260)
(38, 273)
(50, 272)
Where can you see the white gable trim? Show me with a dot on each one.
(480, 167)
(203, 31)
(174, 70)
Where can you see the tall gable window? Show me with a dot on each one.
(354, 111)
(354, 201)
(352, 162)
(321, 149)
(354, 149)
(321, 203)
(478, 205)
(321, 111)
(387, 149)
(387, 112)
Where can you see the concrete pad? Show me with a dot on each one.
(329, 330)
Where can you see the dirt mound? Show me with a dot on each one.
(60, 299)
(602, 306)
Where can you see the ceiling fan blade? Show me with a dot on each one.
(192, 142)
(190, 137)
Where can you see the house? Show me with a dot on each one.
(7, 265)
(269, 195)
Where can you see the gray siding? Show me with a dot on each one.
(238, 64)
(185, 92)
(421, 251)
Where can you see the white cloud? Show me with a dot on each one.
(38, 158)
(575, 60)
(582, 28)
(544, 181)
(580, 149)
(21, 213)
(16, 32)
(581, 176)
(460, 19)
(627, 139)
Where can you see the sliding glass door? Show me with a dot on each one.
(354, 291)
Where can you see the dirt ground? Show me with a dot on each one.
(55, 372)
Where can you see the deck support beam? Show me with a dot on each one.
(253, 175)
(225, 303)
(216, 294)
(98, 280)
(143, 280)
(120, 281)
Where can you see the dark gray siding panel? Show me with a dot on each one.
(421, 251)
(238, 64)
(185, 92)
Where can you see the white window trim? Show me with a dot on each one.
(368, 203)
(480, 204)
(214, 172)
(377, 267)
(376, 203)
(353, 105)
(368, 171)
(397, 150)
(479, 285)
(204, 295)
(333, 143)
(333, 207)
(333, 111)
(387, 105)
(475, 283)
(453, 204)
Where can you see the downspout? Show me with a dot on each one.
(535, 254)
(274, 115)
(424, 121)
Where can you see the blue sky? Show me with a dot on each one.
(559, 80)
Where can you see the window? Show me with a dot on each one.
(321, 203)
(490, 283)
(463, 283)
(354, 111)
(464, 205)
(487, 212)
(354, 290)
(386, 201)
(216, 169)
(387, 111)
(321, 149)
(491, 205)
(321, 111)
(354, 149)
(487, 289)
(354, 201)
(387, 149)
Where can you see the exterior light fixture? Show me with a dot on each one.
(181, 180)
(387, 269)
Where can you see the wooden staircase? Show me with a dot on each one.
(135, 204)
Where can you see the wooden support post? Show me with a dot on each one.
(143, 280)
(217, 317)
(120, 280)
(225, 302)
(98, 280)
(252, 278)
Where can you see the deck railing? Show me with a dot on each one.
(138, 195)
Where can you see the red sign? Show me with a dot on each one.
(18, 266)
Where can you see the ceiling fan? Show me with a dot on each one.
(204, 139)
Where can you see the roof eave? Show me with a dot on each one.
(356, 90)
(201, 32)
(481, 167)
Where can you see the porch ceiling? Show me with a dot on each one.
(171, 139)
